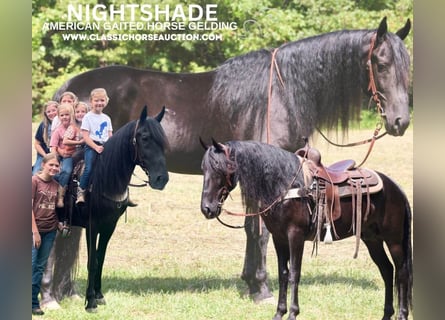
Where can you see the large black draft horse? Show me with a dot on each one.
(319, 81)
(139, 142)
(266, 174)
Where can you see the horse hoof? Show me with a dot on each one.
(91, 306)
(263, 298)
(269, 300)
(101, 301)
(91, 310)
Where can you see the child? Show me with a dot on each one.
(44, 221)
(96, 129)
(66, 97)
(64, 151)
(43, 134)
(73, 135)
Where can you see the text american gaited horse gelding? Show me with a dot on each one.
(139, 142)
(318, 82)
(266, 173)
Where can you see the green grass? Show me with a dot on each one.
(168, 262)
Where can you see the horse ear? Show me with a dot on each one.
(218, 146)
(160, 114)
(144, 113)
(403, 32)
(203, 143)
(382, 30)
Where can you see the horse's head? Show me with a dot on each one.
(150, 142)
(390, 69)
(219, 178)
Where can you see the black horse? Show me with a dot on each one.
(139, 142)
(266, 173)
(320, 81)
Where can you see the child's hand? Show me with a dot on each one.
(37, 241)
(99, 149)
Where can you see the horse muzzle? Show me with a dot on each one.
(211, 213)
(397, 127)
(158, 182)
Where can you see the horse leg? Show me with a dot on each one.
(104, 238)
(283, 278)
(296, 248)
(91, 236)
(402, 278)
(380, 258)
(254, 270)
(67, 252)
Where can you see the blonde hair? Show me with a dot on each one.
(66, 107)
(71, 95)
(47, 121)
(99, 91)
(47, 157)
(50, 156)
(82, 103)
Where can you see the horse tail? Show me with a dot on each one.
(408, 253)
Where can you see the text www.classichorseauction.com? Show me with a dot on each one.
(143, 22)
(142, 37)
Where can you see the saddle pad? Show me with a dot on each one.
(371, 184)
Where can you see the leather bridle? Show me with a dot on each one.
(375, 94)
(137, 159)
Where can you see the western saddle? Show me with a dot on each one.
(327, 184)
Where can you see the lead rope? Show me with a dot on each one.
(273, 65)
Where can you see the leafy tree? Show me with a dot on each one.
(260, 24)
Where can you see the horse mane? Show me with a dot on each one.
(117, 160)
(328, 68)
(264, 171)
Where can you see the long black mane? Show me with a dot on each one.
(264, 172)
(113, 167)
(324, 79)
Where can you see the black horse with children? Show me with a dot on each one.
(140, 142)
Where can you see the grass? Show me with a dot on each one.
(166, 260)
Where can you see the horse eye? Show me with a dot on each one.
(381, 67)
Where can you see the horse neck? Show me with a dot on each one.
(264, 172)
(114, 167)
(326, 79)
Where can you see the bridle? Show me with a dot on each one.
(137, 159)
(375, 94)
(230, 180)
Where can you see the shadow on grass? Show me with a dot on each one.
(206, 284)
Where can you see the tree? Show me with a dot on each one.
(259, 24)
